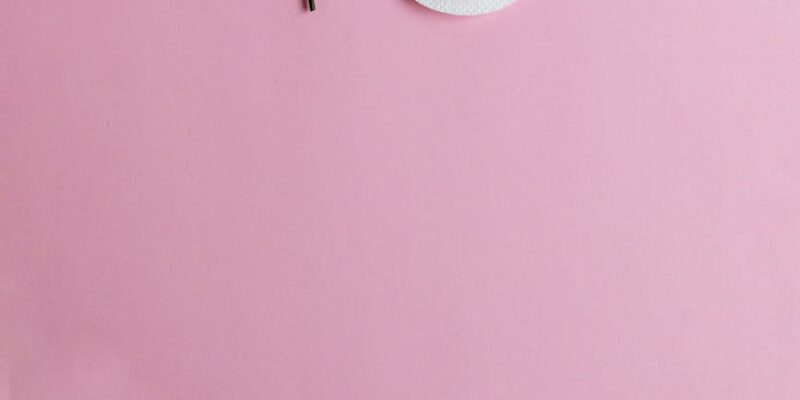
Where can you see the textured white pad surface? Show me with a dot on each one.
(465, 7)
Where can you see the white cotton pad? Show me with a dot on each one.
(465, 7)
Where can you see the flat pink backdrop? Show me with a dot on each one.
(569, 199)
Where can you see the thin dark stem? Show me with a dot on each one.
(311, 5)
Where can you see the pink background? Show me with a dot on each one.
(571, 199)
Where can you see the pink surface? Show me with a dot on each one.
(573, 199)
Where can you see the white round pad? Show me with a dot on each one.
(465, 7)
